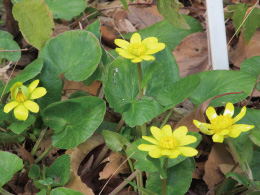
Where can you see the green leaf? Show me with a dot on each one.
(10, 137)
(149, 71)
(251, 24)
(20, 126)
(35, 21)
(42, 192)
(30, 71)
(124, 2)
(66, 9)
(254, 165)
(7, 43)
(252, 66)
(179, 179)
(240, 178)
(247, 151)
(10, 164)
(74, 53)
(60, 169)
(65, 191)
(143, 190)
(168, 34)
(50, 80)
(255, 137)
(34, 172)
(3, 115)
(115, 141)
(219, 82)
(95, 28)
(78, 94)
(170, 11)
(157, 163)
(74, 120)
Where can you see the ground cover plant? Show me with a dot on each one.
(132, 135)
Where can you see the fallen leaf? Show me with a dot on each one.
(225, 168)
(115, 160)
(218, 156)
(192, 54)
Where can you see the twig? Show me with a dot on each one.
(2, 50)
(242, 22)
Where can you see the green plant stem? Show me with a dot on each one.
(167, 118)
(101, 94)
(39, 140)
(140, 80)
(140, 183)
(48, 191)
(124, 183)
(164, 181)
(4, 192)
(234, 152)
(43, 154)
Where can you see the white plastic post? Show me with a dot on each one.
(217, 35)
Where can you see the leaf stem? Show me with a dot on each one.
(164, 181)
(39, 140)
(4, 192)
(140, 79)
(43, 154)
(167, 117)
(234, 152)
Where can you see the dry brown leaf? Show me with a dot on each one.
(108, 36)
(60, 28)
(242, 51)
(75, 183)
(115, 161)
(218, 155)
(25, 154)
(225, 168)
(78, 154)
(199, 171)
(192, 54)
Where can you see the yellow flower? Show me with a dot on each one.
(168, 143)
(138, 50)
(223, 126)
(21, 99)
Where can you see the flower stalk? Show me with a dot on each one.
(164, 181)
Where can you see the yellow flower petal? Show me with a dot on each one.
(240, 115)
(211, 113)
(150, 40)
(147, 147)
(167, 130)
(8, 107)
(224, 131)
(136, 38)
(152, 49)
(147, 57)
(124, 53)
(180, 132)
(37, 93)
(150, 139)
(32, 106)
(136, 60)
(229, 110)
(188, 139)
(33, 85)
(166, 152)
(155, 152)
(122, 43)
(218, 138)
(156, 132)
(235, 130)
(21, 112)
(188, 151)
(14, 87)
(175, 154)
(204, 127)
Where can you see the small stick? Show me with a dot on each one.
(1, 50)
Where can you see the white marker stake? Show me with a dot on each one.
(217, 35)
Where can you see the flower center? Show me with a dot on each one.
(20, 97)
(222, 122)
(137, 49)
(168, 142)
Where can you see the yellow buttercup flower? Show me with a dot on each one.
(21, 99)
(138, 50)
(223, 126)
(169, 143)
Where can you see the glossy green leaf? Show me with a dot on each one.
(34, 172)
(255, 137)
(10, 137)
(179, 179)
(60, 169)
(42, 192)
(157, 163)
(10, 164)
(149, 71)
(252, 66)
(65, 191)
(35, 21)
(247, 151)
(7, 43)
(78, 94)
(115, 141)
(170, 11)
(167, 33)
(240, 178)
(74, 120)
(66, 9)
(50, 80)
(124, 2)
(95, 28)
(30, 71)
(74, 53)
(255, 164)
(219, 82)
(20, 126)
